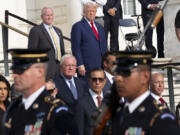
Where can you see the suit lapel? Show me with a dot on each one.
(87, 27)
(46, 33)
(91, 101)
(66, 91)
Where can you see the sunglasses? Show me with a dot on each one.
(18, 71)
(50, 91)
(94, 79)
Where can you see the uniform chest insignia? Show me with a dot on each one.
(8, 123)
(41, 114)
(141, 109)
(34, 129)
(134, 131)
(35, 106)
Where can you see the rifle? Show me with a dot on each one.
(152, 23)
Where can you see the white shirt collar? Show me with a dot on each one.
(156, 97)
(109, 76)
(134, 104)
(29, 101)
(94, 96)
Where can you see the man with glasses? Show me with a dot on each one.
(70, 88)
(51, 88)
(35, 112)
(91, 101)
(140, 114)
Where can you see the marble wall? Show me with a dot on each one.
(172, 46)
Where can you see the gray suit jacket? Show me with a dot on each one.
(39, 38)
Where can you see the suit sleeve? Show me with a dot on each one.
(144, 3)
(76, 39)
(80, 118)
(33, 39)
(109, 5)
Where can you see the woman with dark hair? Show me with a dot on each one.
(4, 96)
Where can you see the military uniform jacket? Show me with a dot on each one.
(46, 116)
(147, 119)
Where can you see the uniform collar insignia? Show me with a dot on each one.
(141, 109)
(35, 106)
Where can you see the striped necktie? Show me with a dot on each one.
(58, 49)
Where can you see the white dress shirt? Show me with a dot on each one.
(134, 104)
(47, 29)
(109, 76)
(94, 96)
(29, 101)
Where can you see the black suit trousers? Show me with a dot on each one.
(149, 33)
(111, 24)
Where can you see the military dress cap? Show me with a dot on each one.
(126, 60)
(22, 59)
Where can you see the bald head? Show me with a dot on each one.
(157, 83)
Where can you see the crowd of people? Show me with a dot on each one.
(68, 94)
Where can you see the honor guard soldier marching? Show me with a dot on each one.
(141, 115)
(36, 112)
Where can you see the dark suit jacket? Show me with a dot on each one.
(23, 121)
(39, 38)
(83, 111)
(113, 4)
(145, 4)
(107, 86)
(65, 93)
(85, 46)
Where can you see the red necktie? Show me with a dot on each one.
(94, 30)
(161, 100)
(99, 100)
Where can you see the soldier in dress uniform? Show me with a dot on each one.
(141, 114)
(36, 112)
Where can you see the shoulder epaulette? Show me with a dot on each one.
(160, 109)
(53, 100)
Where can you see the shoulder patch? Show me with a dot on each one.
(61, 108)
(167, 115)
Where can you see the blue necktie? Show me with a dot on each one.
(73, 89)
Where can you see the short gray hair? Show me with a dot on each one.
(66, 56)
(89, 4)
(42, 11)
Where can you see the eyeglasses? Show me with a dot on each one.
(50, 91)
(69, 65)
(94, 79)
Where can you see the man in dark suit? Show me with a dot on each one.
(89, 103)
(148, 6)
(112, 13)
(177, 25)
(46, 35)
(88, 40)
(141, 114)
(157, 87)
(36, 112)
(108, 63)
(70, 88)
